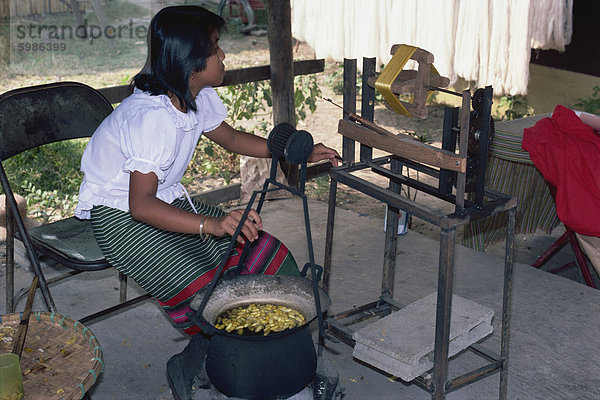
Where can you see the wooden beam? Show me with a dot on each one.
(263, 72)
(404, 146)
(219, 195)
(115, 94)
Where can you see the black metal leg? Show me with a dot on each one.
(506, 301)
(391, 237)
(10, 261)
(329, 233)
(443, 314)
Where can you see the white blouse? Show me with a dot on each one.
(148, 134)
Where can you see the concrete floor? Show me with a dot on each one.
(554, 328)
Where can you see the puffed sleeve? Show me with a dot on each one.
(211, 107)
(148, 142)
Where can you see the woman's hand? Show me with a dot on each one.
(228, 223)
(322, 152)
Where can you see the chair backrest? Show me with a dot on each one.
(38, 115)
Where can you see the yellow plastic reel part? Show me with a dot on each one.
(391, 72)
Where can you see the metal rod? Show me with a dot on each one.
(363, 121)
(329, 234)
(473, 376)
(348, 145)
(33, 257)
(197, 317)
(86, 320)
(386, 299)
(448, 143)
(341, 332)
(423, 187)
(506, 300)
(373, 312)
(481, 351)
(24, 324)
(461, 178)
(443, 314)
(391, 235)
(355, 310)
(10, 260)
(367, 106)
(442, 90)
(486, 116)
(313, 270)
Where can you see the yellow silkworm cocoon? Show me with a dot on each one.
(258, 317)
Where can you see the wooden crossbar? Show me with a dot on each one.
(403, 145)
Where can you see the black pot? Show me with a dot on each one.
(278, 365)
(262, 367)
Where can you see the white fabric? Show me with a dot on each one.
(551, 24)
(500, 29)
(486, 42)
(519, 52)
(148, 134)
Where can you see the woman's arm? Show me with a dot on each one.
(144, 206)
(238, 141)
(251, 145)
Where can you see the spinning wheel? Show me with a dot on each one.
(420, 85)
(465, 134)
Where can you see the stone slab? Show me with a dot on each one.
(402, 343)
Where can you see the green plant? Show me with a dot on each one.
(425, 137)
(306, 93)
(590, 104)
(126, 80)
(212, 160)
(46, 206)
(335, 78)
(514, 107)
(249, 108)
(48, 177)
(318, 188)
(246, 101)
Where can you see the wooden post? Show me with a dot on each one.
(279, 33)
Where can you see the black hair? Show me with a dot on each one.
(179, 42)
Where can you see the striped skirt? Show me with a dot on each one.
(173, 267)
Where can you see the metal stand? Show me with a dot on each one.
(485, 203)
(284, 141)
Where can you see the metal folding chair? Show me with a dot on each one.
(580, 257)
(32, 117)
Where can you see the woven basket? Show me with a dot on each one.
(61, 358)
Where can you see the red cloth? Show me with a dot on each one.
(567, 153)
